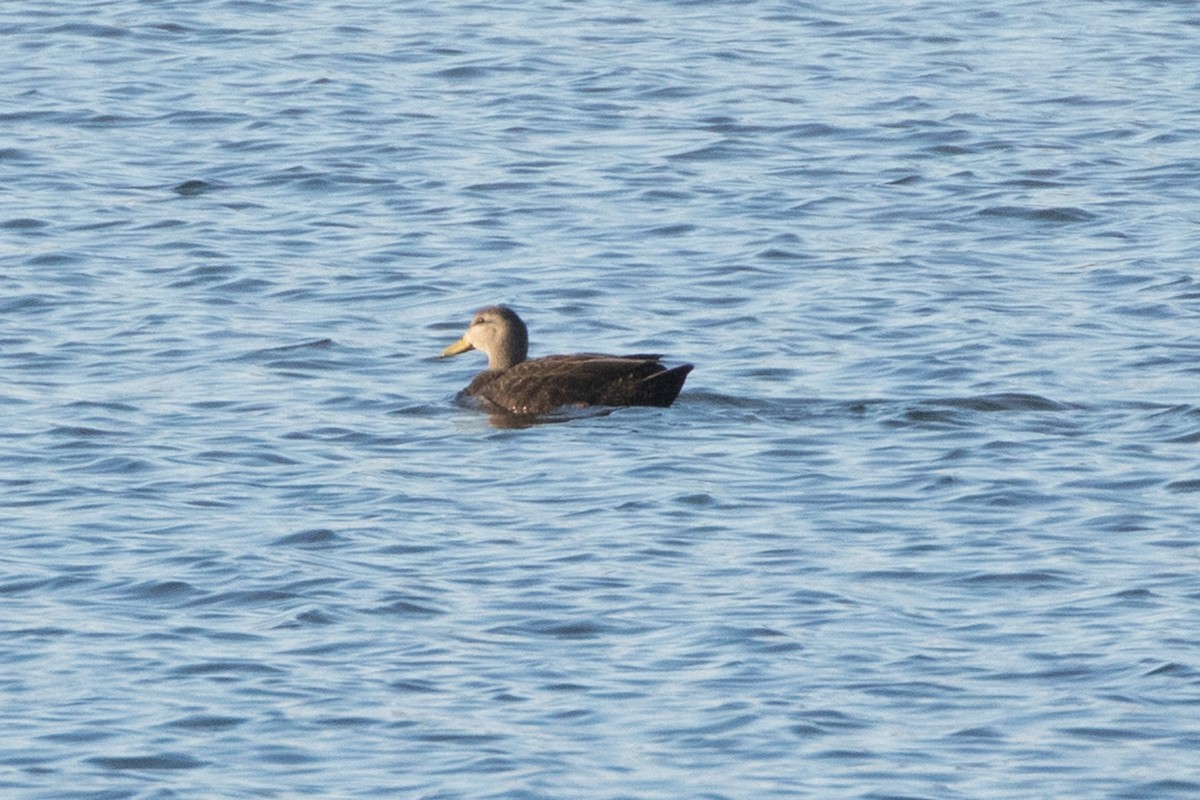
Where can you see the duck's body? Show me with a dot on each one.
(513, 384)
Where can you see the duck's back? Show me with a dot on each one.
(542, 385)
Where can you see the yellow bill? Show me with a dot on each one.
(461, 346)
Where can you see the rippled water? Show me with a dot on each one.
(924, 523)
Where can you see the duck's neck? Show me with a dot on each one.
(503, 359)
(512, 350)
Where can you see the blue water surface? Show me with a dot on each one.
(924, 523)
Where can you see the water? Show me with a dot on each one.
(922, 524)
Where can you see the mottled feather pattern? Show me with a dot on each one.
(545, 384)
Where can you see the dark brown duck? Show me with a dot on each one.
(513, 384)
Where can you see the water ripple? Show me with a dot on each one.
(927, 500)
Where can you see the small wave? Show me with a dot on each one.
(779, 254)
(899, 412)
(308, 538)
(272, 354)
(1062, 214)
(462, 73)
(192, 188)
(671, 230)
(55, 260)
(162, 591)
(90, 29)
(1005, 401)
(501, 186)
(206, 118)
(15, 155)
(208, 722)
(1161, 790)
(119, 465)
(1025, 580)
(161, 761)
(407, 608)
(1109, 734)
(554, 629)
(23, 224)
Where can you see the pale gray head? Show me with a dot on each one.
(498, 332)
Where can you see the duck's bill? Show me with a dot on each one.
(461, 346)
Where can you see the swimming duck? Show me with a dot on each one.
(511, 384)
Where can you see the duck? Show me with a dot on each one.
(517, 385)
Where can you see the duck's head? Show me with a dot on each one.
(498, 332)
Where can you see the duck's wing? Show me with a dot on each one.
(541, 385)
